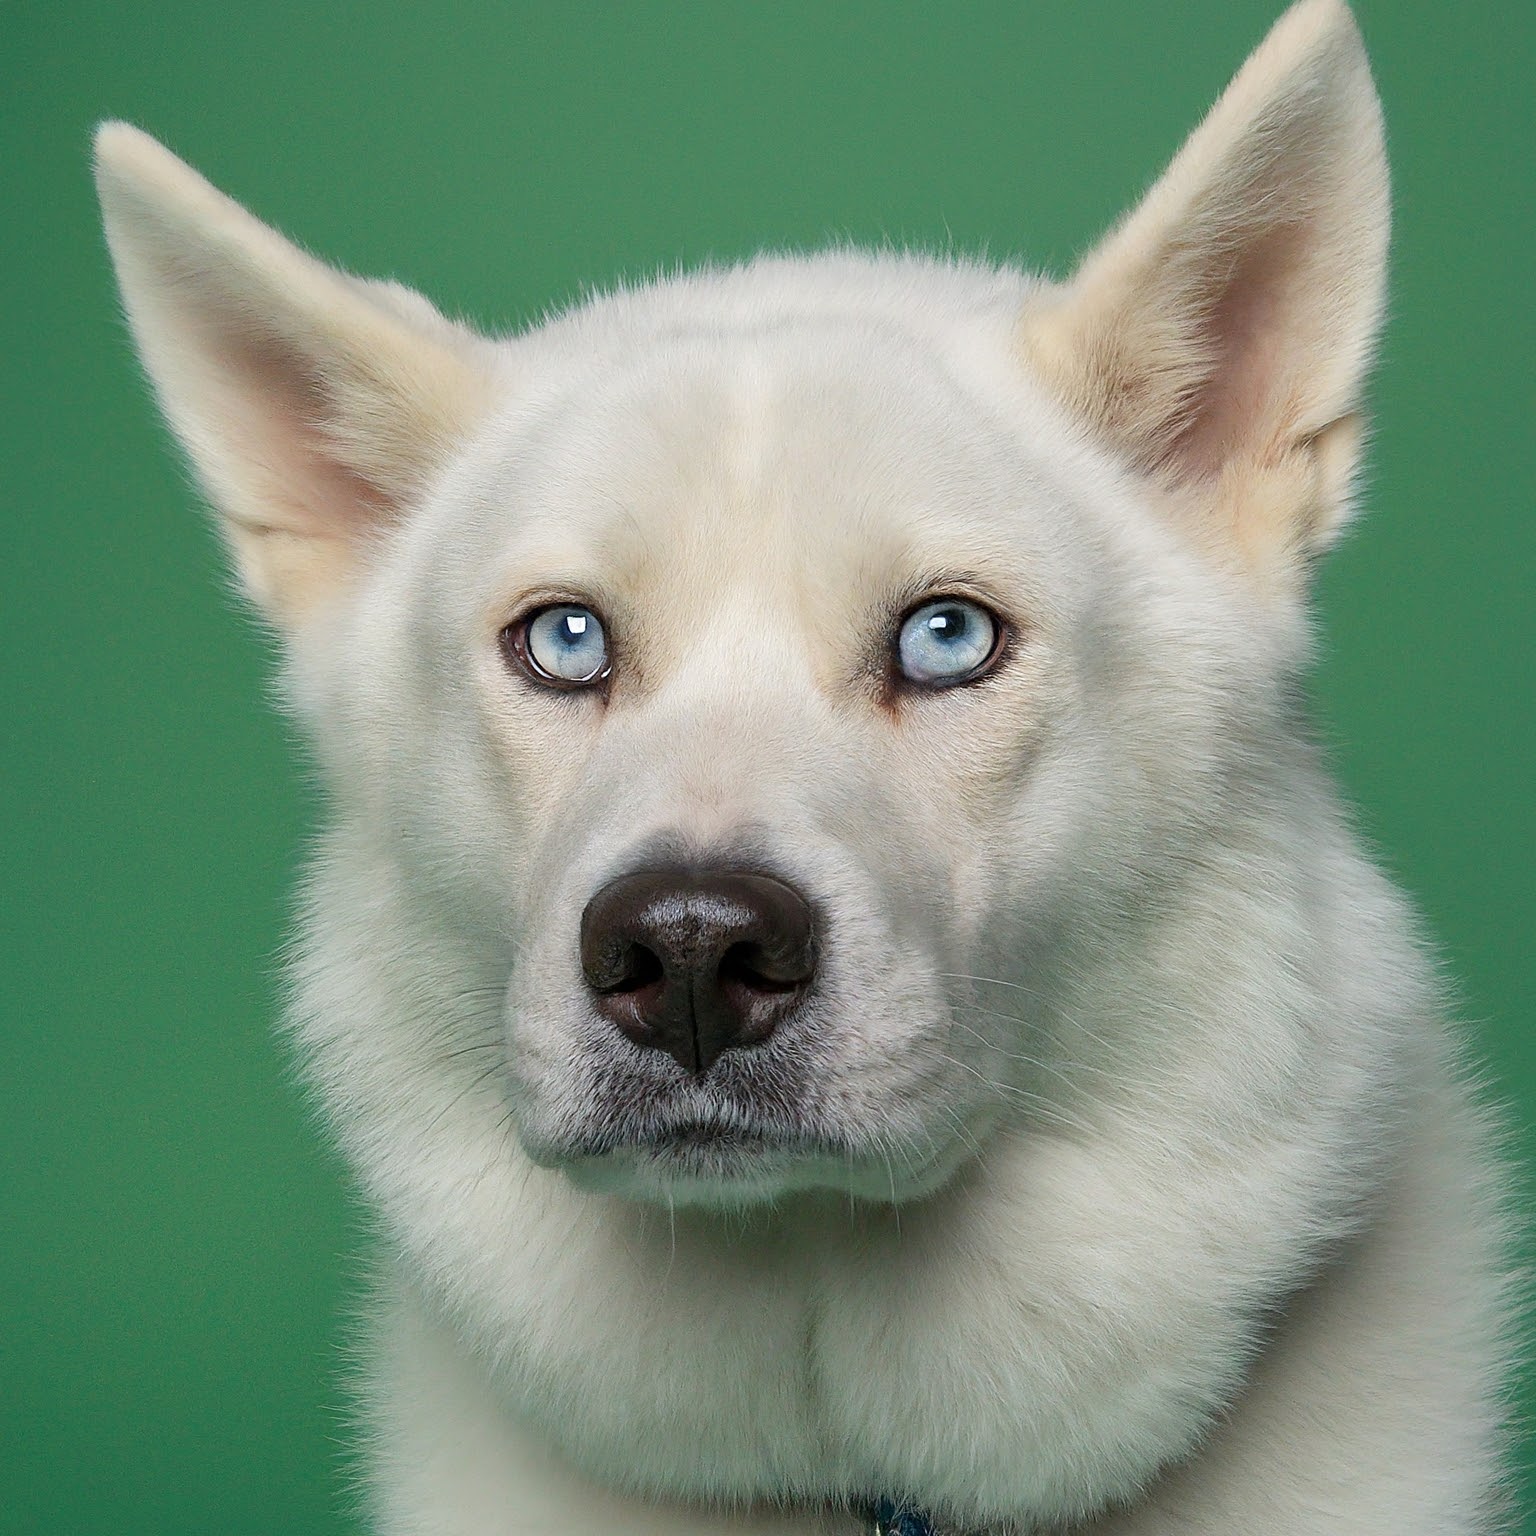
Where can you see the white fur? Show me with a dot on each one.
(1162, 1205)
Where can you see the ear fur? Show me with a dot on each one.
(313, 405)
(1218, 337)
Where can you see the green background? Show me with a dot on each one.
(178, 1252)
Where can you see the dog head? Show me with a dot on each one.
(756, 706)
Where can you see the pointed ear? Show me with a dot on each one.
(1219, 336)
(313, 406)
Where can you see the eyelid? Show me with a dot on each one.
(936, 584)
(533, 599)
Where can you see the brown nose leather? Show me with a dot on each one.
(696, 964)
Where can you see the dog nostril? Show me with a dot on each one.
(630, 969)
(749, 965)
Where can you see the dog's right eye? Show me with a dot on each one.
(562, 646)
(948, 640)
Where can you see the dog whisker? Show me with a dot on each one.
(1075, 1025)
(1061, 1068)
(479, 1080)
(1037, 1106)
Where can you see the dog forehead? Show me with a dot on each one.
(843, 447)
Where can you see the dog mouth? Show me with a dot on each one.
(734, 1161)
(703, 1134)
(696, 1151)
(755, 1128)
(718, 1153)
(703, 1138)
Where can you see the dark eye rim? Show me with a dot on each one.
(1002, 635)
(514, 647)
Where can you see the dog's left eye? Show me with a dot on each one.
(947, 641)
(562, 646)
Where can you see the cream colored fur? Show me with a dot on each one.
(1162, 1205)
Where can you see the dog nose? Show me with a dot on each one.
(696, 964)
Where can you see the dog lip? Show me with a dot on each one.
(712, 1133)
(704, 1134)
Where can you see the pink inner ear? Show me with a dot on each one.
(276, 413)
(1241, 404)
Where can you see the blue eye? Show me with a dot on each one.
(949, 640)
(563, 645)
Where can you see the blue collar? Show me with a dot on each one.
(892, 1518)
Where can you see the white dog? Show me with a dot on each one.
(834, 954)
